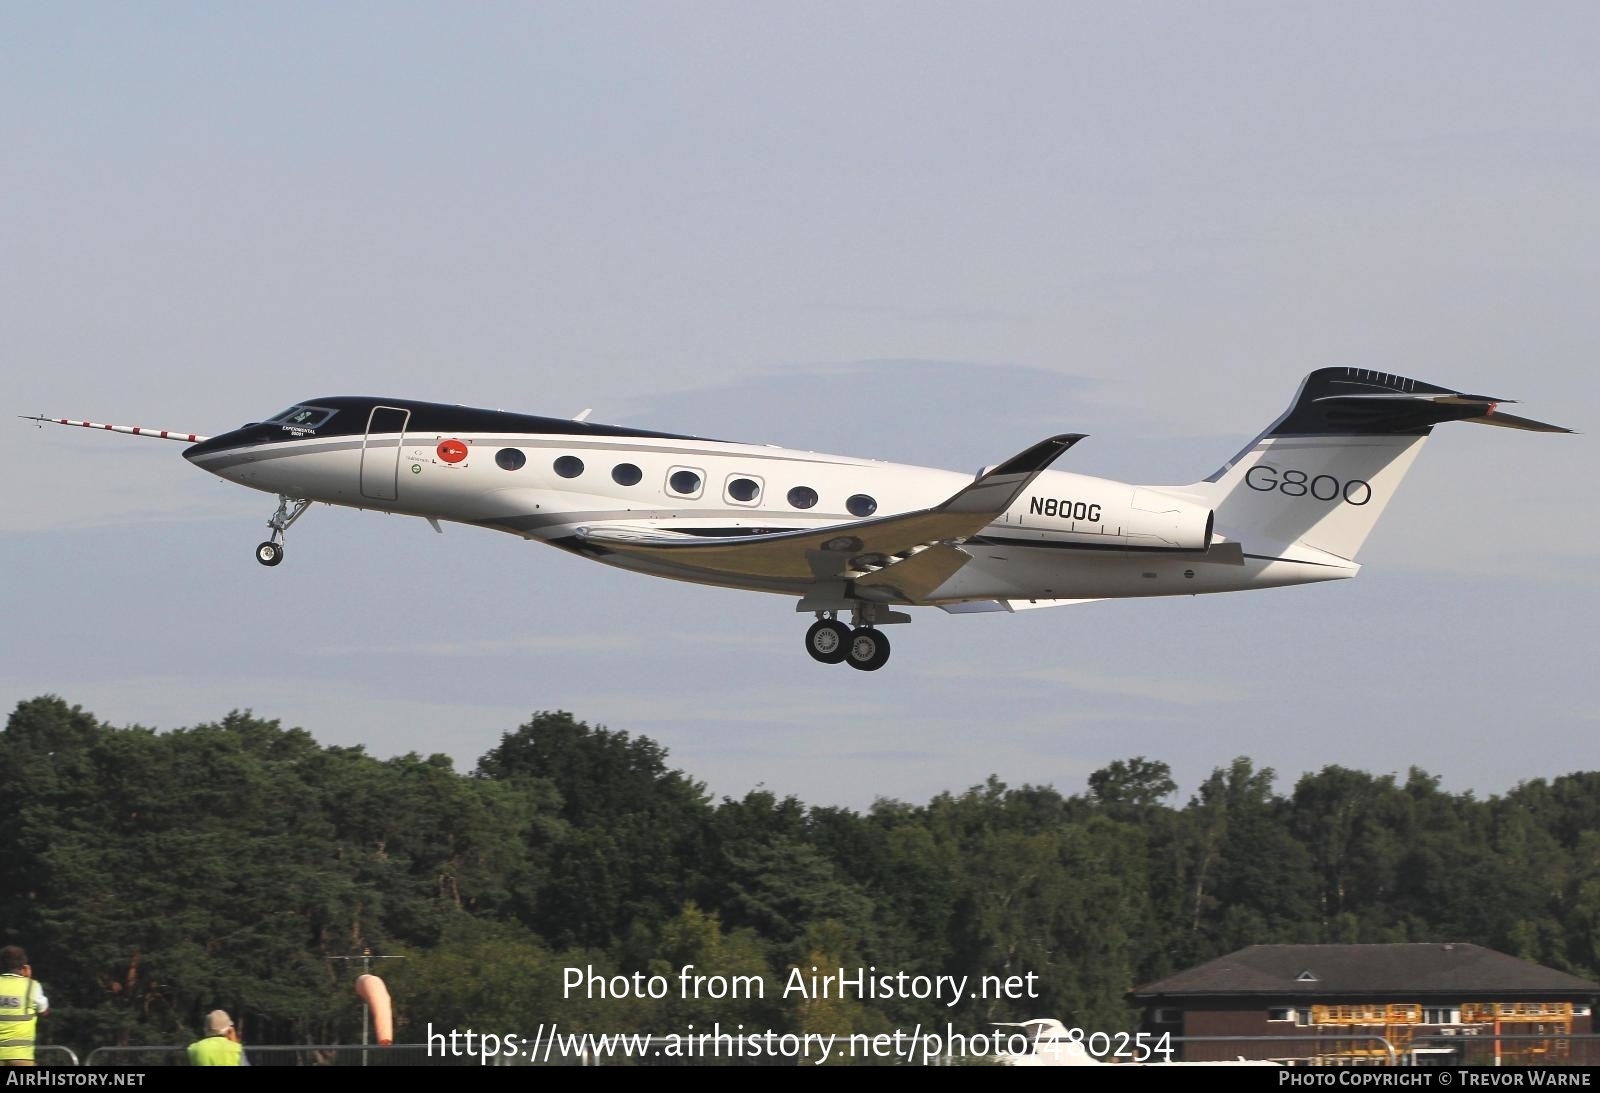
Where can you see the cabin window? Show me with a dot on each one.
(744, 491)
(626, 474)
(569, 466)
(510, 459)
(684, 482)
(861, 505)
(803, 497)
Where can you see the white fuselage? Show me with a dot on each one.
(1068, 537)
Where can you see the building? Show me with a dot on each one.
(1450, 1003)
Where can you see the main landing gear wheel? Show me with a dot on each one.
(868, 650)
(828, 641)
(269, 554)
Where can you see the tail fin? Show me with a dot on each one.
(1321, 474)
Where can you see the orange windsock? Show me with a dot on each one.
(376, 996)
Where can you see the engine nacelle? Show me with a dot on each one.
(1164, 522)
(1109, 515)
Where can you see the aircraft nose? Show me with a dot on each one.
(242, 437)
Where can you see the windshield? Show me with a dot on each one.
(301, 417)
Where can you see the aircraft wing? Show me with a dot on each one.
(912, 552)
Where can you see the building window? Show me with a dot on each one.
(1441, 1015)
(1167, 1015)
(684, 482)
(861, 505)
(803, 497)
(510, 459)
(1280, 1013)
(743, 491)
(569, 466)
(626, 474)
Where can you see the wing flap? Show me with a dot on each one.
(980, 607)
(916, 577)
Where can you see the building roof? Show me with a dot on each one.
(1415, 971)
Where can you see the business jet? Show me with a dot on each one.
(857, 537)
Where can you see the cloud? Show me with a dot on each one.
(489, 647)
(1154, 687)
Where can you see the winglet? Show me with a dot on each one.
(997, 488)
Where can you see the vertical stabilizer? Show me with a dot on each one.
(1322, 474)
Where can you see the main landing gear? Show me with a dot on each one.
(832, 642)
(271, 551)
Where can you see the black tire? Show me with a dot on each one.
(868, 650)
(828, 641)
(269, 554)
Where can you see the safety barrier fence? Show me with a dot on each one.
(576, 1050)
(283, 1055)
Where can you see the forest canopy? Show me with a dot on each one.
(154, 876)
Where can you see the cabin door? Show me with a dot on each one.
(380, 453)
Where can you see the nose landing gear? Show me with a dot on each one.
(271, 552)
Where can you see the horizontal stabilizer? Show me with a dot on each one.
(1489, 405)
(1511, 421)
(1361, 402)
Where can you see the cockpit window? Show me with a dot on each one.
(301, 417)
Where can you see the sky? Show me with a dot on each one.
(930, 233)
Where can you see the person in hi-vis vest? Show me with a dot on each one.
(220, 1046)
(22, 1003)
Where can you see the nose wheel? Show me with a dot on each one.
(270, 552)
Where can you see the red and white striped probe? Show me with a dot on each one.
(134, 430)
